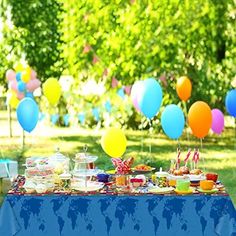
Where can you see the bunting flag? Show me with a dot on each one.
(81, 117)
(108, 106)
(128, 89)
(96, 115)
(163, 80)
(66, 119)
(114, 82)
(87, 48)
(41, 116)
(54, 118)
(95, 59)
(121, 93)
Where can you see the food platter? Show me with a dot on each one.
(157, 190)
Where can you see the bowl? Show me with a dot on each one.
(207, 184)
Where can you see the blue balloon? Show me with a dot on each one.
(230, 102)
(172, 121)
(29, 95)
(27, 114)
(18, 76)
(21, 86)
(150, 98)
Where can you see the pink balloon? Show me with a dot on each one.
(33, 74)
(10, 75)
(20, 95)
(33, 84)
(13, 85)
(218, 122)
(135, 91)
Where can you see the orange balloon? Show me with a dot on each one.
(200, 119)
(184, 88)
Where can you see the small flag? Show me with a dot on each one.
(121, 93)
(108, 106)
(54, 118)
(128, 89)
(95, 59)
(66, 119)
(96, 115)
(41, 116)
(81, 117)
(114, 82)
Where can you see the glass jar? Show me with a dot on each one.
(65, 181)
(122, 181)
(161, 180)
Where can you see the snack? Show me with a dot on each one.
(184, 170)
(136, 182)
(178, 172)
(195, 172)
(143, 167)
(162, 178)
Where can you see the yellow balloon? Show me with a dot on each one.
(13, 101)
(25, 76)
(114, 142)
(19, 67)
(52, 91)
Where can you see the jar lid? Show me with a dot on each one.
(58, 156)
(162, 174)
(65, 176)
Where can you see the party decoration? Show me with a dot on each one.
(200, 119)
(27, 114)
(54, 118)
(150, 97)
(172, 121)
(66, 119)
(114, 142)
(41, 116)
(96, 114)
(18, 76)
(29, 95)
(184, 88)
(121, 93)
(10, 75)
(81, 118)
(19, 67)
(108, 106)
(13, 85)
(25, 77)
(135, 91)
(230, 102)
(20, 95)
(217, 121)
(52, 91)
(12, 99)
(33, 84)
(114, 82)
(21, 86)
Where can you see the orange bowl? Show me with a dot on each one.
(207, 184)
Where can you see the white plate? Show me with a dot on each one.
(86, 172)
(91, 186)
(196, 177)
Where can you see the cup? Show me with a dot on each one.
(103, 177)
(182, 184)
(212, 176)
(207, 184)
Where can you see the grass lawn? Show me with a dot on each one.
(218, 153)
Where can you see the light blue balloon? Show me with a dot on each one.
(150, 97)
(230, 102)
(172, 121)
(18, 76)
(21, 86)
(29, 95)
(27, 114)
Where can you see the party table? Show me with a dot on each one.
(96, 215)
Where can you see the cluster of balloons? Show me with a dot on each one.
(114, 142)
(21, 83)
(146, 96)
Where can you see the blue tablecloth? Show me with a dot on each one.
(117, 215)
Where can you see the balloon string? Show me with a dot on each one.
(186, 118)
(203, 158)
(235, 133)
(150, 131)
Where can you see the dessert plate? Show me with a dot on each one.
(214, 190)
(190, 191)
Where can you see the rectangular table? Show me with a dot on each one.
(102, 215)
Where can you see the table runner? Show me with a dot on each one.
(117, 215)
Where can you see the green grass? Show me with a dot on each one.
(218, 153)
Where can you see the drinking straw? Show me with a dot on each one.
(178, 158)
(187, 156)
(194, 157)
